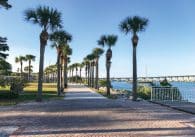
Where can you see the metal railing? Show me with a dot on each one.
(166, 94)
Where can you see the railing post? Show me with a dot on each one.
(151, 94)
(172, 94)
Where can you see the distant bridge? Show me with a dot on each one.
(184, 78)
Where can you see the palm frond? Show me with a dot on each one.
(5, 4)
(46, 17)
(133, 24)
(111, 40)
(98, 52)
(3, 55)
(102, 41)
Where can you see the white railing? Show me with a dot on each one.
(166, 94)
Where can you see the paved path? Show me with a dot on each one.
(80, 92)
(182, 106)
(95, 116)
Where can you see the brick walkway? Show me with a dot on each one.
(91, 115)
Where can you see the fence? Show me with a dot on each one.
(166, 94)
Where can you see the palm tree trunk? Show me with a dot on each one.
(21, 70)
(58, 75)
(88, 78)
(80, 75)
(40, 79)
(86, 73)
(97, 74)
(134, 74)
(92, 74)
(108, 77)
(72, 74)
(76, 75)
(43, 43)
(29, 64)
(65, 72)
(61, 76)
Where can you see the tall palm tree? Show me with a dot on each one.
(109, 40)
(76, 66)
(59, 39)
(3, 47)
(66, 51)
(20, 60)
(86, 62)
(5, 4)
(46, 18)
(70, 72)
(81, 65)
(27, 69)
(97, 52)
(30, 58)
(134, 25)
(91, 58)
(72, 69)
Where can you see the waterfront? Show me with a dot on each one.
(187, 89)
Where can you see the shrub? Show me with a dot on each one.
(17, 85)
(3, 81)
(165, 83)
(144, 92)
(103, 83)
(76, 79)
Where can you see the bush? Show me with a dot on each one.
(103, 83)
(144, 92)
(3, 81)
(165, 83)
(17, 85)
(76, 79)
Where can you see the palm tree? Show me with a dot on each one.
(76, 66)
(86, 63)
(91, 58)
(30, 58)
(59, 39)
(46, 18)
(134, 25)
(5, 4)
(81, 65)
(20, 60)
(66, 51)
(109, 41)
(27, 69)
(54, 71)
(97, 52)
(3, 47)
(70, 68)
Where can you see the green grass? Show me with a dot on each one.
(30, 93)
(26, 97)
(32, 87)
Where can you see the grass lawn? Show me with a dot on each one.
(29, 94)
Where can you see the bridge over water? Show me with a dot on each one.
(183, 78)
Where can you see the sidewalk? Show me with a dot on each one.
(80, 92)
(84, 113)
(182, 106)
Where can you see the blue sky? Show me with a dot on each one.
(166, 47)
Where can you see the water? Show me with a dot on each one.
(187, 89)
